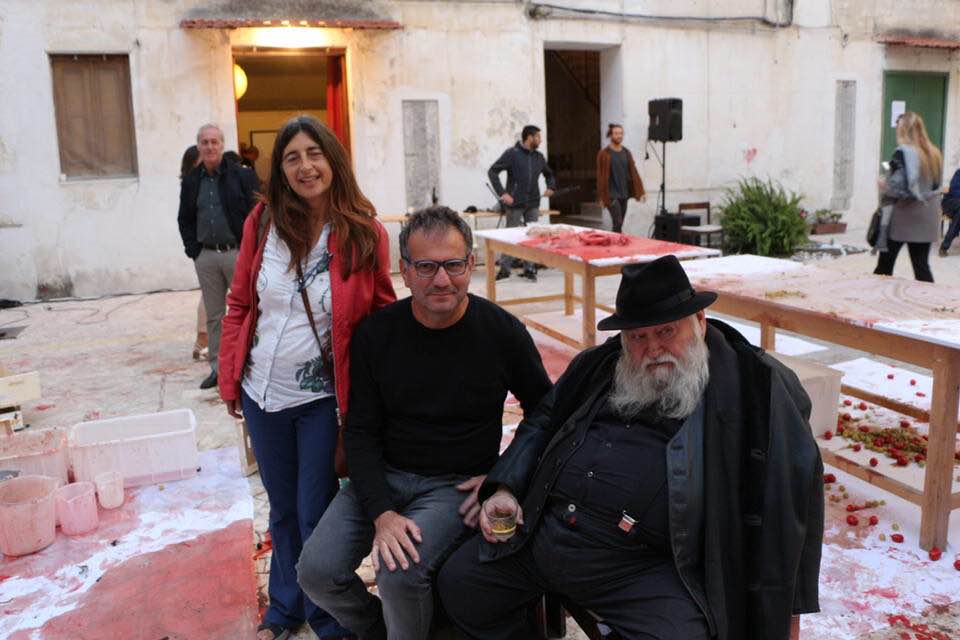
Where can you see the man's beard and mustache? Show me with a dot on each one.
(671, 392)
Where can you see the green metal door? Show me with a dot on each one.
(923, 93)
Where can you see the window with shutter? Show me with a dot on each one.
(94, 110)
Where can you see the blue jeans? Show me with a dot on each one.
(519, 217)
(951, 208)
(343, 539)
(294, 449)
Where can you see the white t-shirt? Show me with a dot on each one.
(285, 367)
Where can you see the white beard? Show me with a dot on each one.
(673, 392)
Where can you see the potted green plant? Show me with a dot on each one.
(827, 221)
(762, 218)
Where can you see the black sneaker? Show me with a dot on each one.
(210, 381)
(502, 275)
(943, 252)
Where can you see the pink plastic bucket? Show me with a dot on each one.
(28, 515)
(109, 489)
(77, 508)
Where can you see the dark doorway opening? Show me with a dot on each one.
(280, 84)
(573, 130)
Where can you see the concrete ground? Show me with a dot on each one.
(131, 354)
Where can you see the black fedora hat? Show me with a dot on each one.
(654, 293)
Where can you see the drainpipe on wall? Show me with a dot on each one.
(545, 10)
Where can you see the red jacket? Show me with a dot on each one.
(353, 299)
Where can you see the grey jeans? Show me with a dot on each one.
(519, 217)
(343, 537)
(215, 273)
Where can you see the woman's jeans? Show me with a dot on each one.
(294, 449)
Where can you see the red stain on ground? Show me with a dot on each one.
(555, 359)
(888, 592)
(202, 589)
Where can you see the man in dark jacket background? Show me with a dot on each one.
(951, 209)
(215, 198)
(669, 483)
(521, 198)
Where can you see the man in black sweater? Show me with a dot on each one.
(428, 379)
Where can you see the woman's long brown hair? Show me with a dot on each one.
(910, 129)
(350, 213)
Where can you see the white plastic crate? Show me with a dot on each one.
(42, 452)
(822, 384)
(146, 449)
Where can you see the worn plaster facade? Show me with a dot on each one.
(761, 97)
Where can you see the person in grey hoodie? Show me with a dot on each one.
(911, 189)
(521, 197)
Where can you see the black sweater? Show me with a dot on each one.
(430, 401)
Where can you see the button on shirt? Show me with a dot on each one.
(212, 226)
(286, 367)
(621, 466)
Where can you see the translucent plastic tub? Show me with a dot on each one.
(109, 489)
(822, 384)
(42, 452)
(146, 449)
(28, 520)
(77, 508)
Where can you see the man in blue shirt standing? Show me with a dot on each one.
(215, 198)
(951, 209)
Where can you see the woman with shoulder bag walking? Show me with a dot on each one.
(313, 262)
(910, 190)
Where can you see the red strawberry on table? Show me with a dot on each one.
(897, 537)
(935, 554)
(862, 406)
(874, 462)
(889, 376)
(847, 402)
(956, 564)
(828, 435)
(913, 383)
(829, 478)
(853, 521)
(856, 447)
(874, 520)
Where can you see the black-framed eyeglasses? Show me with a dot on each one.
(429, 268)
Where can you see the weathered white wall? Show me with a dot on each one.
(757, 101)
(110, 235)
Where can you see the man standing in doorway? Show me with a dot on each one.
(215, 198)
(617, 177)
(521, 199)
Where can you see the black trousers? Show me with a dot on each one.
(951, 208)
(639, 595)
(618, 212)
(919, 257)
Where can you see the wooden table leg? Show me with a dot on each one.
(937, 482)
(568, 293)
(491, 259)
(589, 309)
(768, 336)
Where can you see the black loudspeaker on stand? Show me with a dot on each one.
(666, 125)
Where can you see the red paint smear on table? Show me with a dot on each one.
(202, 589)
(621, 246)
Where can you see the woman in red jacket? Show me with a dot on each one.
(313, 263)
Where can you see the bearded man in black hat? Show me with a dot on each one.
(669, 484)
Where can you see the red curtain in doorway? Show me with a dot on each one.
(337, 114)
